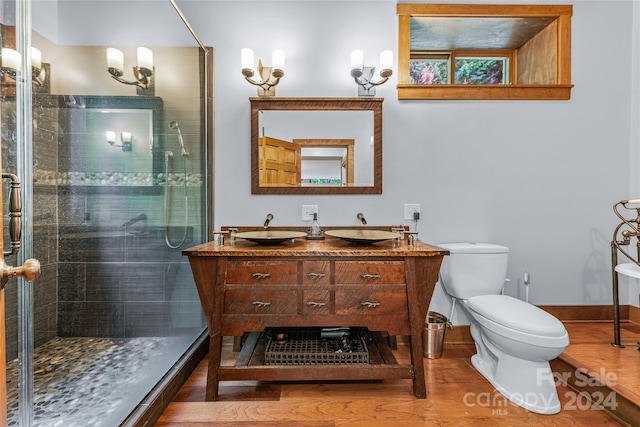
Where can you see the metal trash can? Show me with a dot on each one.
(433, 335)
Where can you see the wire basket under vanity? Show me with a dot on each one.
(305, 346)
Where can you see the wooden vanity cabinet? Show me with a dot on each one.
(244, 287)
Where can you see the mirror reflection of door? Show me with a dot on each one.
(280, 162)
(325, 127)
(327, 161)
(306, 162)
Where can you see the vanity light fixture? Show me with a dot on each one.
(270, 76)
(11, 61)
(363, 76)
(143, 71)
(125, 137)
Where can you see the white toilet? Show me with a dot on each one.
(514, 340)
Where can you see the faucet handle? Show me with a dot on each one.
(399, 230)
(413, 235)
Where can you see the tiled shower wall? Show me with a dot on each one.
(113, 284)
(97, 280)
(45, 232)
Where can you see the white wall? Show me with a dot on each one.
(537, 176)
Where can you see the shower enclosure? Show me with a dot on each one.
(115, 183)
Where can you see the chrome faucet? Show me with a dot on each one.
(361, 218)
(268, 220)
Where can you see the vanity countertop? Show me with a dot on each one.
(330, 246)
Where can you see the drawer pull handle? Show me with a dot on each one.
(261, 303)
(369, 304)
(315, 275)
(315, 304)
(369, 276)
(261, 275)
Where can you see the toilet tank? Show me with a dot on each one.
(473, 269)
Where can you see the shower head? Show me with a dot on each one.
(174, 125)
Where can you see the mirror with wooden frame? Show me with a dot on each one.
(316, 145)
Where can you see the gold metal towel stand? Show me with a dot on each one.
(622, 236)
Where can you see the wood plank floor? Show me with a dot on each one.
(457, 394)
(602, 371)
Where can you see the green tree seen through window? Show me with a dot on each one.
(477, 71)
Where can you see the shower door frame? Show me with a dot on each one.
(25, 173)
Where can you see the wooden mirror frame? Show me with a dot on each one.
(310, 104)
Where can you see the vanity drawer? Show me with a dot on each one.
(369, 272)
(316, 272)
(262, 272)
(316, 302)
(260, 302)
(373, 302)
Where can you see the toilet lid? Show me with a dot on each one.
(517, 314)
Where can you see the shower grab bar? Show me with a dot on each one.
(15, 214)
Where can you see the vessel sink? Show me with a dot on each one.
(362, 236)
(269, 237)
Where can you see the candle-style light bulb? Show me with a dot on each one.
(115, 61)
(357, 63)
(246, 62)
(11, 60)
(386, 63)
(36, 59)
(277, 63)
(145, 59)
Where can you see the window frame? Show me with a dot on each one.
(451, 55)
(561, 90)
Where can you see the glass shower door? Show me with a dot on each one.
(115, 184)
(17, 160)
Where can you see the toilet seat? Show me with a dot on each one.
(518, 320)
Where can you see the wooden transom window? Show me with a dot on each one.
(475, 51)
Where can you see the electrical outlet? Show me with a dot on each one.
(410, 209)
(308, 211)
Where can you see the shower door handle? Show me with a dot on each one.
(30, 270)
(15, 214)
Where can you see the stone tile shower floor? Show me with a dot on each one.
(88, 381)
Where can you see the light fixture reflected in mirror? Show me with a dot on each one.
(270, 76)
(111, 138)
(363, 76)
(125, 137)
(143, 71)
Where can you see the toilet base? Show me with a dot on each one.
(525, 383)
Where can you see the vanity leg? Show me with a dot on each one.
(417, 303)
(419, 385)
(215, 355)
